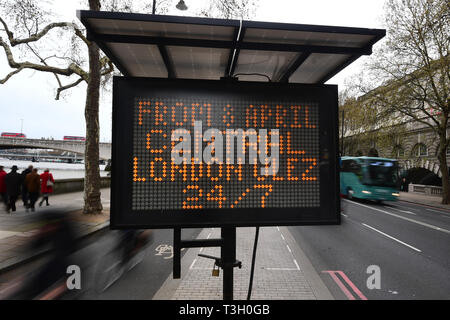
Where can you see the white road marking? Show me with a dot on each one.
(344, 215)
(441, 212)
(192, 264)
(292, 255)
(409, 212)
(404, 218)
(390, 237)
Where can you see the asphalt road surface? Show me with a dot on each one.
(145, 279)
(393, 250)
(139, 283)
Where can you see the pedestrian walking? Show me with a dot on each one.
(13, 184)
(25, 197)
(404, 185)
(3, 194)
(47, 182)
(33, 184)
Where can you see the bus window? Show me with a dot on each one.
(382, 173)
(349, 166)
(355, 167)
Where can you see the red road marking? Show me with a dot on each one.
(343, 287)
(351, 284)
(340, 284)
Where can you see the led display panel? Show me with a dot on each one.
(198, 153)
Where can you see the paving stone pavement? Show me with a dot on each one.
(281, 272)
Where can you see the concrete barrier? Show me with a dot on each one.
(73, 185)
(425, 189)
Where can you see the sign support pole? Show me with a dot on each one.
(228, 254)
(177, 253)
(227, 260)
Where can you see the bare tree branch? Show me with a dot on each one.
(80, 35)
(9, 75)
(36, 36)
(71, 85)
(106, 65)
(70, 70)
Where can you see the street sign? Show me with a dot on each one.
(199, 153)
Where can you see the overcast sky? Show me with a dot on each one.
(28, 99)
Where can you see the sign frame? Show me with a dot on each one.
(126, 89)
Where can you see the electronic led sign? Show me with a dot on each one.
(215, 153)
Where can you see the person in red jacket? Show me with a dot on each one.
(3, 196)
(47, 182)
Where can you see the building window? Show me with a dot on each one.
(423, 150)
(420, 150)
(398, 151)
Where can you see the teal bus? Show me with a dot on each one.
(369, 178)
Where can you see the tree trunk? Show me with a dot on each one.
(442, 156)
(92, 200)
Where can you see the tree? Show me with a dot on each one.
(358, 123)
(27, 26)
(411, 71)
(229, 9)
(364, 127)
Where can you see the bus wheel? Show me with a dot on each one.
(350, 193)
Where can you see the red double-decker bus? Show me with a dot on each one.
(13, 135)
(74, 138)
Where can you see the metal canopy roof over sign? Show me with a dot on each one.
(142, 45)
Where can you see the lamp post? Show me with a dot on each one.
(342, 134)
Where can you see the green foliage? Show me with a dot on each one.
(407, 79)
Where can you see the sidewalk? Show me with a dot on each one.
(16, 228)
(282, 270)
(418, 198)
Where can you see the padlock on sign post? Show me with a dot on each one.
(215, 272)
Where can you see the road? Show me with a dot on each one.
(139, 283)
(145, 279)
(409, 243)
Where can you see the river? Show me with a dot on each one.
(57, 169)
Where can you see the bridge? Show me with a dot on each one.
(63, 145)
